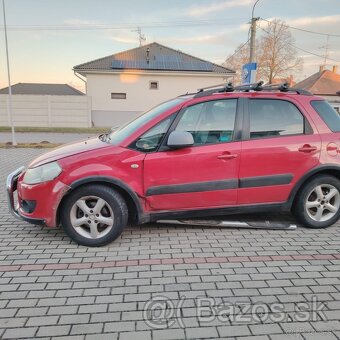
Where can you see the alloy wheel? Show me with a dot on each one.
(323, 202)
(91, 217)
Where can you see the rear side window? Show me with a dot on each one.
(328, 114)
(273, 118)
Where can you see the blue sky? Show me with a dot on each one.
(42, 50)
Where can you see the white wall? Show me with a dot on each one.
(139, 96)
(45, 111)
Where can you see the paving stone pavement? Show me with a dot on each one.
(166, 282)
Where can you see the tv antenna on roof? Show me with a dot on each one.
(141, 36)
(326, 47)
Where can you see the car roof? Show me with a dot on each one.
(252, 94)
(251, 90)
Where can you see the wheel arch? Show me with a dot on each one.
(327, 169)
(135, 210)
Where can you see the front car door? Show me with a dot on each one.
(279, 147)
(204, 175)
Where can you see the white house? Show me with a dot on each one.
(127, 83)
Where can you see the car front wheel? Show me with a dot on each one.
(318, 203)
(94, 215)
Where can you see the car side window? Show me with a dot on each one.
(210, 122)
(271, 118)
(150, 140)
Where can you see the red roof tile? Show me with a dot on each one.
(321, 83)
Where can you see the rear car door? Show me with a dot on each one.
(279, 147)
(204, 175)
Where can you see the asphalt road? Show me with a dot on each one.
(37, 137)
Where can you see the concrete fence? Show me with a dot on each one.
(46, 111)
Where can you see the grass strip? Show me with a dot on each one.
(29, 145)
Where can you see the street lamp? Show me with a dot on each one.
(9, 79)
(252, 58)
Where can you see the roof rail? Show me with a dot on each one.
(210, 87)
(187, 94)
(227, 88)
(283, 87)
(250, 87)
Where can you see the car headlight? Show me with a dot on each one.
(42, 173)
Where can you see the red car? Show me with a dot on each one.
(219, 151)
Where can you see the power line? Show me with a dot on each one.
(304, 30)
(301, 49)
(317, 55)
(89, 27)
(239, 49)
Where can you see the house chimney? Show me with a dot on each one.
(322, 68)
(335, 69)
(290, 80)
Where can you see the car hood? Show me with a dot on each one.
(69, 150)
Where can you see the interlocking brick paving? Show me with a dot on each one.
(250, 281)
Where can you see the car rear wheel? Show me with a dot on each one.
(318, 203)
(94, 215)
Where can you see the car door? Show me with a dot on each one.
(204, 175)
(278, 149)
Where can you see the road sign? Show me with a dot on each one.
(249, 73)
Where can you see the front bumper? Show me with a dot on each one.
(11, 187)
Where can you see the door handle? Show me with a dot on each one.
(307, 148)
(227, 156)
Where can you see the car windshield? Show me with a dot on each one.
(127, 129)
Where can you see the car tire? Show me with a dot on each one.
(94, 215)
(317, 204)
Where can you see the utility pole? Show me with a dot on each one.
(249, 70)
(9, 79)
(252, 58)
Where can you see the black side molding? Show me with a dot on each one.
(193, 187)
(249, 182)
(262, 181)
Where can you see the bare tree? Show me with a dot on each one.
(275, 54)
(279, 56)
(236, 60)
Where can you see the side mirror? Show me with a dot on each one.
(180, 139)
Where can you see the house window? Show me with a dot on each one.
(153, 85)
(117, 95)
